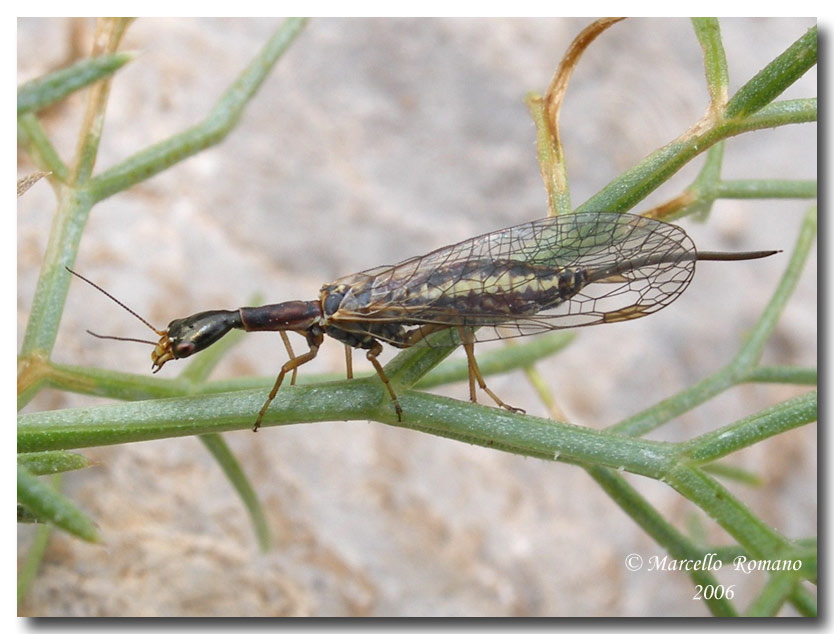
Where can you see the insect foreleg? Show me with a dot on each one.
(372, 355)
(475, 373)
(314, 341)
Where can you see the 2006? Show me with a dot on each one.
(713, 592)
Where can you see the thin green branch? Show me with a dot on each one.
(804, 602)
(124, 386)
(672, 407)
(773, 596)
(707, 187)
(43, 91)
(708, 32)
(631, 187)
(231, 467)
(49, 462)
(777, 114)
(108, 34)
(751, 351)
(551, 159)
(39, 148)
(762, 188)
(51, 290)
(755, 535)
(220, 121)
(774, 78)
(703, 187)
(661, 530)
(34, 557)
(752, 429)
(782, 374)
(731, 472)
(357, 399)
(50, 505)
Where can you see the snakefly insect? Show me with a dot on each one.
(560, 272)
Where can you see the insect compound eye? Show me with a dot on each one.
(332, 302)
(184, 349)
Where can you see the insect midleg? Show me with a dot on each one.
(372, 355)
(314, 342)
(349, 361)
(285, 338)
(475, 372)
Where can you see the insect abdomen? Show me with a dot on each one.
(472, 288)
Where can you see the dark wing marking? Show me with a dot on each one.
(613, 267)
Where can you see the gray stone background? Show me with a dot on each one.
(373, 140)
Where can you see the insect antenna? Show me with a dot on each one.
(131, 311)
(98, 336)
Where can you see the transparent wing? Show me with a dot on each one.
(562, 272)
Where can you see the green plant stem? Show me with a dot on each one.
(219, 122)
(651, 521)
(708, 32)
(774, 78)
(804, 601)
(773, 596)
(48, 462)
(74, 206)
(776, 114)
(734, 517)
(366, 399)
(551, 159)
(751, 352)
(33, 559)
(51, 290)
(40, 149)
(638, 182)
(48, 89)
(752, 429)
(110, 32)
(782, 374)
(761, 188)
(350, 400)
(731, 472)
(231, 467)
(707, 187)
(50, 505)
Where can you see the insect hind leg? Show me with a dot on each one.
(475, 373)
(372, 355)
